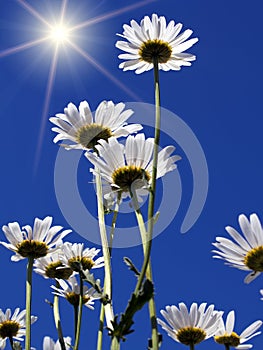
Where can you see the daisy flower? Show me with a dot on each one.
(129, 167)
(13, 326)
(49, 344)
(33, 243)
(153, 39)
(226, 335)
(79, 126)
(190, 327)
(51, 266)
(70, 290)
(74, 254)
(246, 252)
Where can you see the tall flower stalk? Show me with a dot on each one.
(29, 301)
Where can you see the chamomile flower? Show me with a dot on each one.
(49, 344)
(127, 168)
(51, 266)
(33, 243)
(154, 39)
(193, 326)
(84, 130)
(226, 335)
(245, 252)
(70, 290)
(73, 255)
(13, 326)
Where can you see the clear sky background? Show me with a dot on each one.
(219, 98)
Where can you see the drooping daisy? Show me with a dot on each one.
(79, 126)
(33, 243)
(13, 326)
(49, 344)
(246, 252)
(127, 168)
(51, 266)
(154, 39)
(190, 327)
(74, 254)
(226, 335)
(70, 290)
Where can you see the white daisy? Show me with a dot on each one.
(190, 327)
(79, 126)
(49, 344)
(246, 252)
(70, 290)
(51, 266)
(74, 254)
(13, 326)
(154, 39)
(127, 168)
(34, 243)
(226, 335)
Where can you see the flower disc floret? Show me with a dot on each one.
(254, 259)
(231, 340)
(190, 335)
(89, 135)
(125, 176)
(57, 270)
(78, 262)
(9, 329)
(32, 249)
(155, 50)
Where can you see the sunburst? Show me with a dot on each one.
(61, 34)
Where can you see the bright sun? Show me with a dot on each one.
(59, 33)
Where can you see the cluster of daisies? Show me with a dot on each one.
(127, 167)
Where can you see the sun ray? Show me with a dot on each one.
(104, 71)
(63, 10)
(33, 12)
(111, 14)
(50, 83)
(22, 47)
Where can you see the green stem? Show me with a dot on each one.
(28, 302)
(57, 320)
(77, 337)
(152, 309)
(115, 344)
(11, 342)
(114, 220)
(106, 255)
(192, 347)
(227, 347)
(101, 326)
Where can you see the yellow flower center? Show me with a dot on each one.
(125, 176)
(157, 49)
(231, 340)
(190, 335)
(32, 249)
(73, 298)
(52, 271)
(254, 259)
(86, 263)
(9, 329)
(89, 135)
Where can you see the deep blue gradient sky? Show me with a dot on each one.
(220, 99)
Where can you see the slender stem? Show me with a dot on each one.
(114, 220)
(227, 347)
(77, 338)
(106, 254)
(152, 309)
(28, 301)
(76, 316)
(192, 347)
(115, 344)
(11, 342)
(101, 326)
(57, 320)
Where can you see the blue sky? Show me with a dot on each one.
(219, 98)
